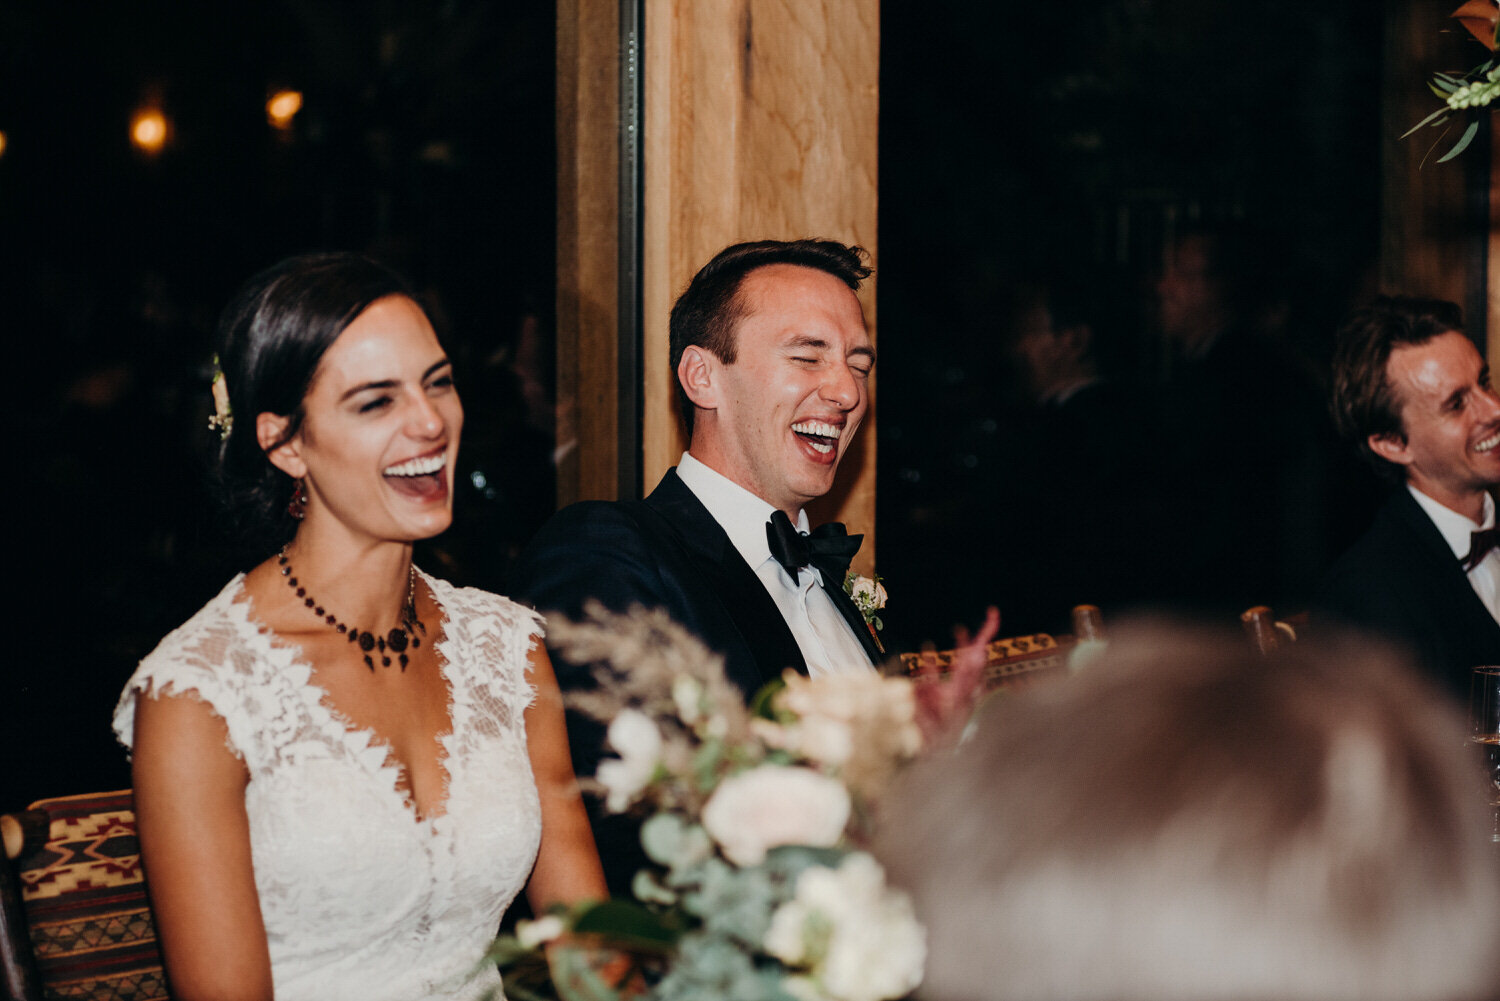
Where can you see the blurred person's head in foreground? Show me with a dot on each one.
(1190, 820)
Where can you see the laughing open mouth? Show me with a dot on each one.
(822, 437)
(420, 466)
(1489, 443)
(421, 478)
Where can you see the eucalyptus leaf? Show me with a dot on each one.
(646, 888)
(575, 978)
(1463, 142)
(670, 840)
(507, 951)
(1436, 118)
(630, 926)
(792, 859)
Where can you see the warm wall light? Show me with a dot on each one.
(283, 107)
(2, 143)
(148, 130)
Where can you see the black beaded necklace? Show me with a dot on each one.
(393, 642)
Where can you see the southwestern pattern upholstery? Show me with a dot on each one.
(1009, 662)
(85, 903)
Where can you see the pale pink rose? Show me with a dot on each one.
(772, 805)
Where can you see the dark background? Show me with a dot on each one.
(1073, 141)
(1014, 138)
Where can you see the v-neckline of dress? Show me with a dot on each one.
(375, 752)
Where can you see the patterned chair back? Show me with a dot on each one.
(84, 901)
(1020, 661)
(1012, 662)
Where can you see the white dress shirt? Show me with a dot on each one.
(1455, 529)
(824, 636)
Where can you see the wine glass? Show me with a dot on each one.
(1484, 730)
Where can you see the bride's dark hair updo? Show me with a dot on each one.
(270, 340)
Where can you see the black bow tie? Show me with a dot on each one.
(1480, 543)
(829, 548)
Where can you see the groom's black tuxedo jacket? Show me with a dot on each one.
(1402, 580)
(666, 552)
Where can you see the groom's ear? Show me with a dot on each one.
(697, 371)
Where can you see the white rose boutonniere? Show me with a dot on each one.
(868, 596)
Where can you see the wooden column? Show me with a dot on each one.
(1492, 278)
(588, 101)
(760, 123)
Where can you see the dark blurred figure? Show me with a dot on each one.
(1187, 819)
(506, 482)
(508, 486)
(121, 404)
(1413, 394)
(1243, 428)
(1077, 522)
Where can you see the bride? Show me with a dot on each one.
(346, 769)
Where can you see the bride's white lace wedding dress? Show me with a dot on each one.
(361, 899)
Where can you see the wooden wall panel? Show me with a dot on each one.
(760, 122)
(1433, 230)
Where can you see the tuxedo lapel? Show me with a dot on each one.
(1444, 570)
(724, 575)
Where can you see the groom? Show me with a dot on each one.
(773, 365)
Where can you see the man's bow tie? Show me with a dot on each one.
(829, 547)
(1480, 543)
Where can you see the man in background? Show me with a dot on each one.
(1411, 390)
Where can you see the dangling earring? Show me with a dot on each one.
(297, 506)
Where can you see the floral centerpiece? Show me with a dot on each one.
(1470, 94)
(753, 818)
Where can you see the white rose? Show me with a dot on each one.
(533, 933)
(786, 938)
(771, 805)
(857, 937)
(878, 947)
(867, 593)
(636, 739)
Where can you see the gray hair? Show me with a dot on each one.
(1188, 820)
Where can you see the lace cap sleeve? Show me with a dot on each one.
(206, 658)
(497, 636)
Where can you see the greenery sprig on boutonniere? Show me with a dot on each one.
(868, 596)
(1473, 92)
